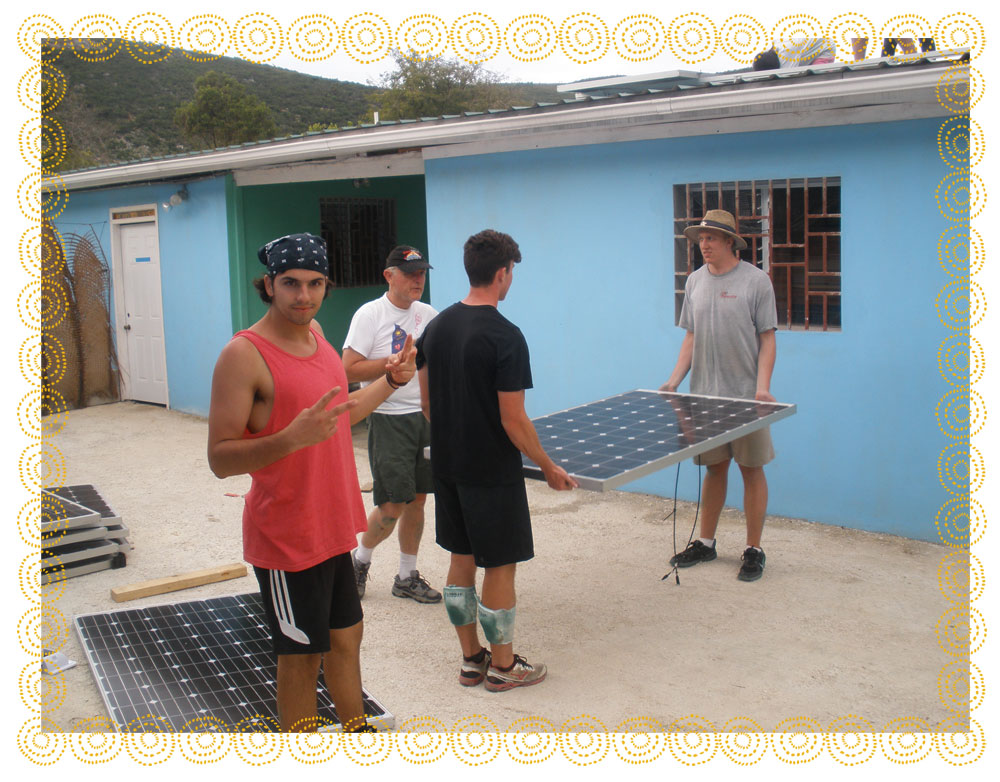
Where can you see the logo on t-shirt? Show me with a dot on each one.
(728, 295)
(398, 338)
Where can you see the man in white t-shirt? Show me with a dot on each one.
(398, 432)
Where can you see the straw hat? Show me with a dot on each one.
(717, 220)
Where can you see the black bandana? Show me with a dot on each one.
(295, 251)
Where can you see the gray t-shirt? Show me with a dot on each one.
(726, 312)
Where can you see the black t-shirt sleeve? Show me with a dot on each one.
(421, 358)
(513, 363)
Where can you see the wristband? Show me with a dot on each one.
(392, 383)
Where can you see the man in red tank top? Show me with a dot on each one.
(280, 411)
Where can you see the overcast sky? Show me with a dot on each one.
(556, 67)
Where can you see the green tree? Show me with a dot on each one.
(224, 113)
(430, 88)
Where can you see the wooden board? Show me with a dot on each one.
(159, 586)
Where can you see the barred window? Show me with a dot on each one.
(792, 231)
(359, 233)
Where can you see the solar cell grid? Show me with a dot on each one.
(59, 514)
(613, 441)
(187, 660)
(87, 496)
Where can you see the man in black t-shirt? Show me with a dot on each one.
(473, 369)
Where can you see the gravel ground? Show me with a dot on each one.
(842, 623)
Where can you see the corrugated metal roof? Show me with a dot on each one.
(707, 83)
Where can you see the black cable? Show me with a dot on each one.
(673, 513)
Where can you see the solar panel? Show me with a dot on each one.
(80, 533)
(617, 440)
(60, 571)
(60, 514)
(85, 548)
(203, 658)
(89, 497)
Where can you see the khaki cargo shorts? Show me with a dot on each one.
(752, 450)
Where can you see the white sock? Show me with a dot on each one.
(709, 542)
(407, 564)
(363, 554)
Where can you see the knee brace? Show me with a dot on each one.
(461, 604)
(498, 625)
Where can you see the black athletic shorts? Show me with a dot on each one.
(303, 606)
(489, 522)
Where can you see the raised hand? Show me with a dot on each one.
(317, 423)
(402, 366)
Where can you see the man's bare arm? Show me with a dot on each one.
(234, 387)
(522, 433)
(359, 368)
(402, 366)
(766, 356)
(683, 364)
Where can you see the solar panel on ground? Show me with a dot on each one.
(87, 496)
(203, 658)
(74, 551)
(613, 441)
(60, 514)
(74, 518)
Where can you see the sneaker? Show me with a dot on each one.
(753, 565)
(695, 552)
(521, 675)
(415, 586)
(360, 574)
(471, 672)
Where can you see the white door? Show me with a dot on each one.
(143, 316)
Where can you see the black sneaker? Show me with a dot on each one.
(753, 565)
(695, 552)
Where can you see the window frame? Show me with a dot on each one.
(801, 255)
(359, 233)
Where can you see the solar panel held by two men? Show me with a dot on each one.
(614, 441)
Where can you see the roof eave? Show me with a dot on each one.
(889, 87)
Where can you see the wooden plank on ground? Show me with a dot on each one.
(159, 586)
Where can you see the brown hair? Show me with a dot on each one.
(487, 252)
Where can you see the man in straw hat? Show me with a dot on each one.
(730, 318)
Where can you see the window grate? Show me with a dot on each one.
(359, 233)
(792, 231)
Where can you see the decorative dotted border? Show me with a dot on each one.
(583, 37)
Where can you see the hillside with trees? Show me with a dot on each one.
(119, 109)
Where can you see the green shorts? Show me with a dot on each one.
(752, 450)
(396, 454)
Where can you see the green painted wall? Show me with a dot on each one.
(263, 212)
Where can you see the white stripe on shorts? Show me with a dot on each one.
(283, 608)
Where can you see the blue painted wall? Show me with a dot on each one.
(194, 270)
(594, 297)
